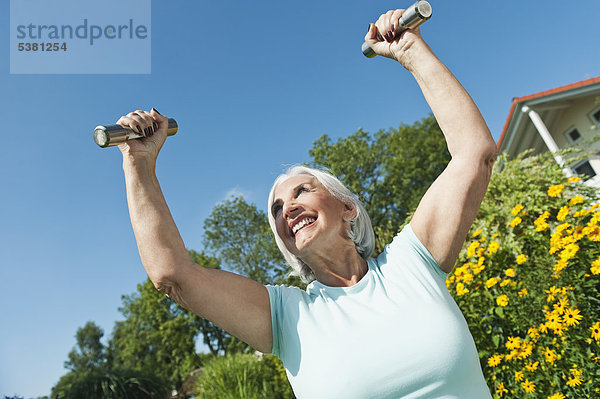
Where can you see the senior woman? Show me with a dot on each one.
(383, 327)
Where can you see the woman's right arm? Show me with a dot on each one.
(235, 303)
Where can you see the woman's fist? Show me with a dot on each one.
(152, 125)
(382, 38)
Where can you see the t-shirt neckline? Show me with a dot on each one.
(316, 286)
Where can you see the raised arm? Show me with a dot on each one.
(449, 207)
(233, 302)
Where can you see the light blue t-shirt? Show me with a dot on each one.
(397, 333)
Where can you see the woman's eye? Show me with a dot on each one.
(302, 189)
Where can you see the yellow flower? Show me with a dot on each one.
(574, 381)
(476, 233)
(478, 269)
(595, 269)
(553, 320)
(557, 395)
(564, 301)
(576, 200)
(467, 277)
(460, 289)
(532, 366)
(513, 353)
(561, 264)
(501, 390)
(480, 261)
(540, 222)
(572, 317)
(593, 233)
(521, 259)
(517, 209)
(562, 213)
(523, 292)
(502, 300)
(554, 191)
(552, 292)
(525, 350)
(596, 331)
(528, 386)
(575, 371)
(504, 283)
(493, 247)
(559, 308)
(533, 333)
(573, 179)
(491, 282)
(550, 355)
(569, 251)
(472, 248)
(495, 360)
(513, 343)
(519, 376)
(510, 272)
(515, 222)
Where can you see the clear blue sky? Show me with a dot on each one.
(252, 85)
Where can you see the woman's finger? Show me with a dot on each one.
(389, 36)
(132, 123)
(394, 20)
(383, 25)
(159, 119)
(149, 125)
(140, 123)
(373, 34)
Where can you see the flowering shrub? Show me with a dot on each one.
(528, 279)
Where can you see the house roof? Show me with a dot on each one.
(544, 93)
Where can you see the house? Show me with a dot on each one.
(554, 119)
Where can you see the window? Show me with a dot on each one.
(585, 169)
(573, 135)
(595, 116)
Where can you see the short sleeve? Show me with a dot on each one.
(407, 257)
(275, 300)
(424, 252)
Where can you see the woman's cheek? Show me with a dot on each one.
(280, 229)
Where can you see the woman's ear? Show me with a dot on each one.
(349, 212)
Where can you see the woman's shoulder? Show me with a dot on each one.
(284, 293)
(407, 250)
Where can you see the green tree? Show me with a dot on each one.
(390, 171)
(88, 354)
(157, 336)
(91, 377)
(238, 234)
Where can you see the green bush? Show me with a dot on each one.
(110, 384)
(245, 376)
(528, 279)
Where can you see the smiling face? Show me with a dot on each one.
(303, 210)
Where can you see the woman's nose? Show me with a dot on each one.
(290, 211)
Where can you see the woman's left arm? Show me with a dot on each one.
(447, 210)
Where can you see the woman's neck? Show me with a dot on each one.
(339, 267)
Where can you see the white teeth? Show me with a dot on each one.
(303, 223)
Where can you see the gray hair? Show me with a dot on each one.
(361, 230)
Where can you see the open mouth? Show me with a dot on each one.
(306, 222)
